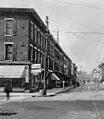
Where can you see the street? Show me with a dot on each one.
(85, 102)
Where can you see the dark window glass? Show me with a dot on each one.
(9, 52)
(36, 56)
(31, 31)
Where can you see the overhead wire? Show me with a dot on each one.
(78, 4)
(82, 32)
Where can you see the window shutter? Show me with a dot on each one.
(4, 23)
(14, 27)
(14, 52)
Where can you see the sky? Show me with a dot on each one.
(78, 16)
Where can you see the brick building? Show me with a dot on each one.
(22, 43)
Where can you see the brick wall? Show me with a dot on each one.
(20, 40)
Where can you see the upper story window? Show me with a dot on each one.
(31, 30)
(10, 26)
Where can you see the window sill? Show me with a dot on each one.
(8, 60)
(8, 35)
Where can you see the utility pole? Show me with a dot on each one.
(58, 34)
(81, 72)
(45, 59)
(47, 21)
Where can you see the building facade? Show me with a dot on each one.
(101, 72)
(23, 40)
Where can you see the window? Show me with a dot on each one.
(43, 41)
(36, 56)
(35, 34)
(9, 26)
(50, 64)
(30, 54)
(31, 30)
(42, 62)
(39, 57)
(38, 37)
(50, 49)
(9, 51)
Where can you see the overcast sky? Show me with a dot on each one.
(85, 49)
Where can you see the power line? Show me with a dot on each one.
(95, 33)
(78, 4)
(82, 32)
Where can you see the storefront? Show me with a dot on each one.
(18, 74)
(37, 76)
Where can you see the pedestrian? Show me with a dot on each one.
(8, 88)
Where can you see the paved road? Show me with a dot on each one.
(85, 102)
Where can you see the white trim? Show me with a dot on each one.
(50, 57)
(7, 18)
(8, 43)
(9, 35)
(42, 52)
(35, 47)
(39, 50)
(31, 22)
(31, 45)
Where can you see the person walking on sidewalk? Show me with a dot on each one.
(8, 88)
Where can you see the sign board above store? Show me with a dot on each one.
(36, 66)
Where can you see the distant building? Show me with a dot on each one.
(96, 75)
(101, 69)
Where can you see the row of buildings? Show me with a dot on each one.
(23, 41)
(98, 73)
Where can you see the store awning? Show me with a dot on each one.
(54, 77)
(11, 71)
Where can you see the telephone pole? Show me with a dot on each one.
(57, 34)
(45, 59)
(47, 21)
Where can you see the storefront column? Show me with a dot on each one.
(27, 74)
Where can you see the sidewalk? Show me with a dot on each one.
(50, 92)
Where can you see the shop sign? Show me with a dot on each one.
(36, 66)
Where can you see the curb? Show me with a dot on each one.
(54, 94)
(44, 95)
(64, 90)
